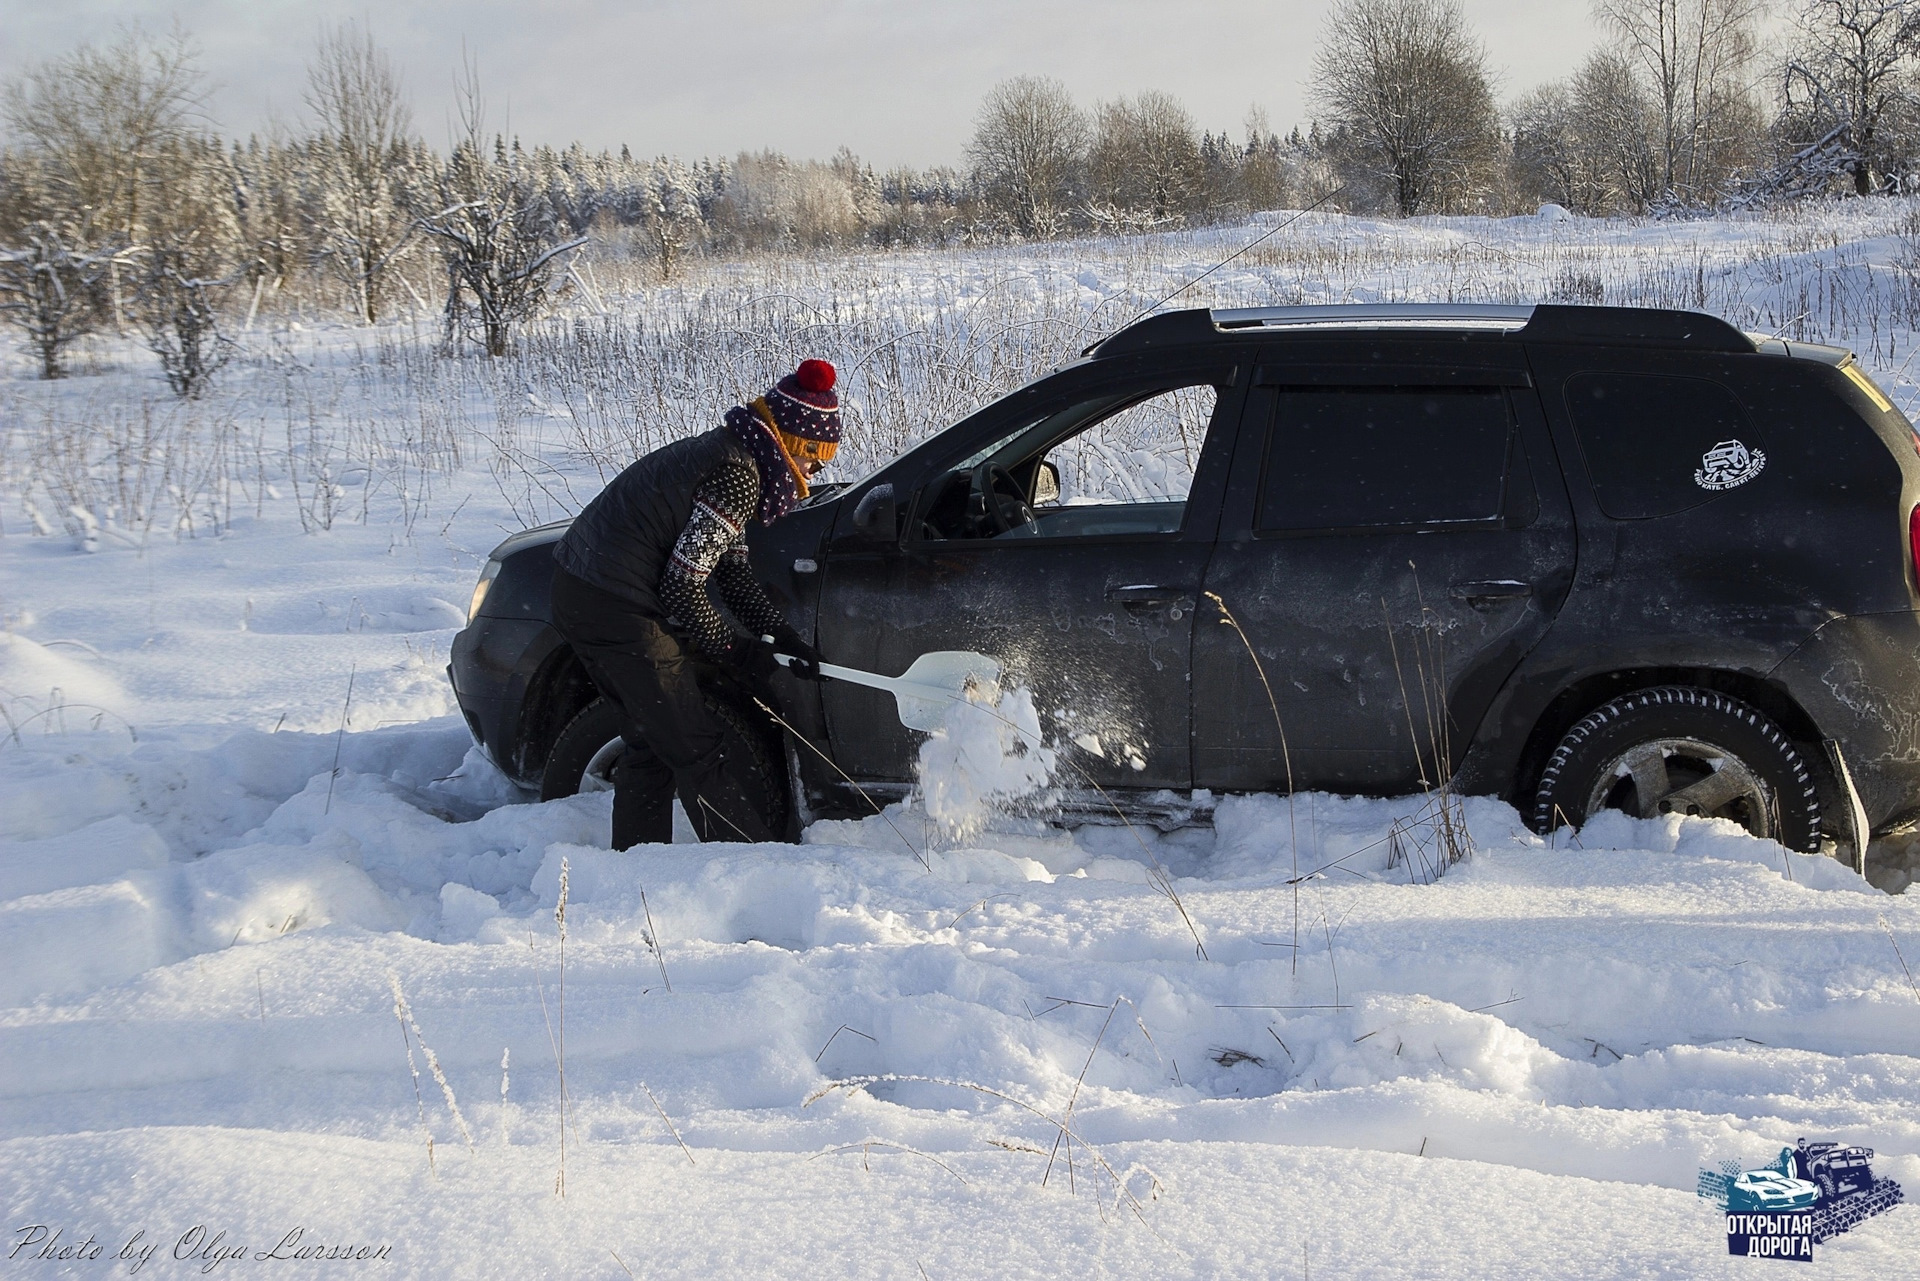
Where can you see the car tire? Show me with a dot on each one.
(584, 752)
(591, 742)
(1606, 761)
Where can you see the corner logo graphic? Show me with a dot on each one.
(1727, 464)
(1811, 1193)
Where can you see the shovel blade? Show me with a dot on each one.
(937, 680)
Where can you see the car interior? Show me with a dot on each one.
(1118, 464)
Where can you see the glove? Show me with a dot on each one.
(806, 659)
(750, 660)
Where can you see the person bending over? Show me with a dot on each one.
(632, 596)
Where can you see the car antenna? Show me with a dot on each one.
(1276, 228)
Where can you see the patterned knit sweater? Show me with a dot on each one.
(713, 547)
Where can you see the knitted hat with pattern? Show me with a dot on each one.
(806, 411)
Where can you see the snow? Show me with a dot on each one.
(987, 754)
(237, 806)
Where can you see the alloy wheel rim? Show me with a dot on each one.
(598, 775)
(1684, 776)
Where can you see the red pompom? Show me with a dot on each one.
(814, 375)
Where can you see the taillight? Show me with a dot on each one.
(1913, 540)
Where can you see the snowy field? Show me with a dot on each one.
(279, 956)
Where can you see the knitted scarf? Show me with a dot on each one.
(781, 485)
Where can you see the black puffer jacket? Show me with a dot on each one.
(621, 542)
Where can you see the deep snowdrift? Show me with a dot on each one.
(236, 810)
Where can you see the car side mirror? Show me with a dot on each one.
(1046, 484)
(876, 514)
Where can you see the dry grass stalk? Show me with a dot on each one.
(865, 1148)
(877, 807)
(836, 1033)
(1064, 1135)
(560, 1033)
(1915, 987)
(340, 737)
(1443, 815)
(403, 1012)
(672, 1129)
(1286, 759)
(506, 1108)
(653, 942)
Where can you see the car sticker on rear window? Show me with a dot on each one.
(1727, 464)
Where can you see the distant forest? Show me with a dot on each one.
(123, 207)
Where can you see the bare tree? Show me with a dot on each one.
(361, 148)
(1550, 158)
(1588, 142)
(1405, 82)
(189, 265)
(498, 234)
(1618, 127)
(99, 116)
(1145, 159)
(1263, 174)
(1846, 78)
(53, 290)
(1694, 56)
(1028, 150)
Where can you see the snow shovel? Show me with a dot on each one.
(923, 693)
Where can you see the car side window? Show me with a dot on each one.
(1144, 453)
(1386, 457)
(1660, 444)
(1121, 463)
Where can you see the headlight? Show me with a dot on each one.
(487, 576)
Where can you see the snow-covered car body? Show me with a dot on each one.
(1369, 547)
(1769, 1191)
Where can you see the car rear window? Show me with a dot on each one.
(1364, 457)
(1647, 437)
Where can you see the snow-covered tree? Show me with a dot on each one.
(1029, 152)
(1846, 86)
(497, 233)
(670, 210)
(360, 154)
(53, 290)
(188, 265)
(1145, 159)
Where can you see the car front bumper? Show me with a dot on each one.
(494, 663)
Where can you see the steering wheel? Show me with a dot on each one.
(1004, 510)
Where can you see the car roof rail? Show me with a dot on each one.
(1635, 327)
(1377, 315)
(1542, 322)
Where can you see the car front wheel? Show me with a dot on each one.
(583, 755)
(1678, 749)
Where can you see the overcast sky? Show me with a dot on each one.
(897, 82)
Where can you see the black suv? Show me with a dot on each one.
(1575, 557)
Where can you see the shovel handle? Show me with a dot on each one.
(872, 680)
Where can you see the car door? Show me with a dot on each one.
(1090, 604)
(1395, 539)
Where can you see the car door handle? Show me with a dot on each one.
(1495, 589)
(1146, 594)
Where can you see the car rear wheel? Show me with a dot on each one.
(583, 756)
(1680, 749)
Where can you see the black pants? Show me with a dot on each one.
(674, 744)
